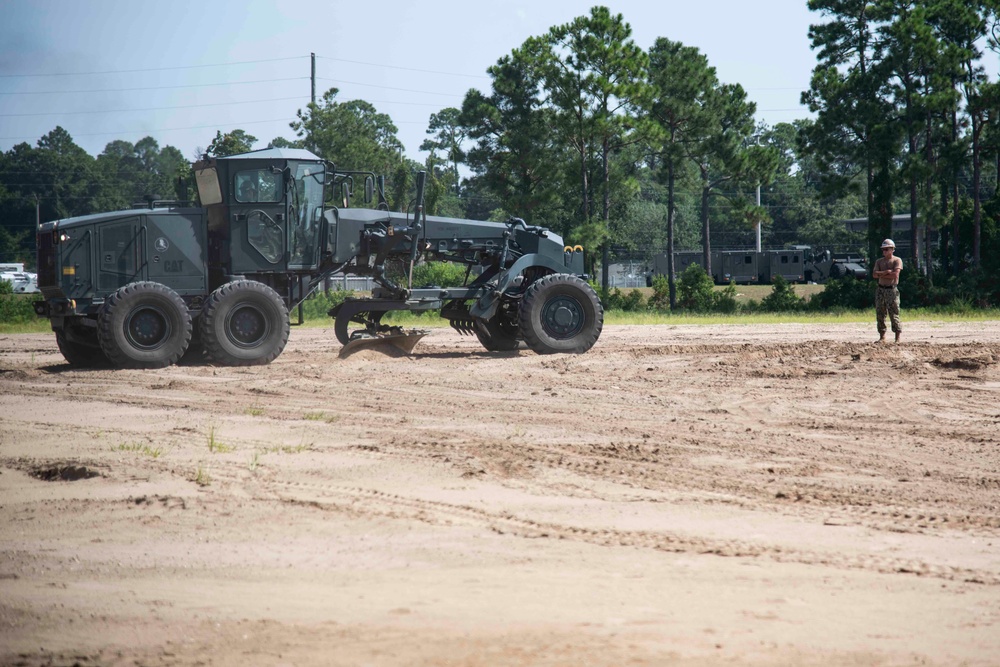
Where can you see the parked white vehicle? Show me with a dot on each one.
(23, 282)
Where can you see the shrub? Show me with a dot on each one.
(660, 300)
(438, 274)
(15, 308)
(725, 300)
(695, 290)
(634, 301)
(847, 293)
(319, 304)
(782, 297)
(611, 299)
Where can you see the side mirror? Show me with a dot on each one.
(369, 189)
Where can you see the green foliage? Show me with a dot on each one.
(695, 290)
(353, 135)
(448, 137)
(660, 300)
(439, 274)
(970, 289)
(231, 143)
(319, 304)
(15, 308)
(725, 300)
(630, 302)
(782, 298)
(846, 293)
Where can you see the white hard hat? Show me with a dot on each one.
(888, 244)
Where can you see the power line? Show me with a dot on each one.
(372, 85)
(152, 69)
(405, 69)
(185, 106)
(125, 90)
(161, 129)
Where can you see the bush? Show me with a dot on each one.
(15, 308)
(438, 274)
(613, 299)
(695, 290)
(782, 298)
(634, 302)
(978, 288)
(660, 300)
(725, 301)
(319, 304)
(846, 293)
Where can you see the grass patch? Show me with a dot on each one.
(38, 325)
(138, 448)
(254, 411)
(214, 445)
(321, 417)
(201, 477)
(286, 449)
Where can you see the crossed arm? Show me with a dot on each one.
(889, 273)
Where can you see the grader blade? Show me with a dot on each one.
(391, 342)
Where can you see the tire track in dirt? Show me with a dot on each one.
(369, 502)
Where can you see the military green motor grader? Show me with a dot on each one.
(142, 287)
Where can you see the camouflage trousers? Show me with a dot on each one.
(887, 303)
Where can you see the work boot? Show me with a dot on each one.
(881, 339)
(897, 335)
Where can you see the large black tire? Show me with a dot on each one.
(561, 313)
(244, 323)
(144, 325)
(80, 354)
(502, 332)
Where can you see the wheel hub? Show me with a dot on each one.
(247, 326)
(147, 328)
(563, 317)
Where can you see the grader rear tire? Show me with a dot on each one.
(561, 313)
(144, 325)
(244, 323)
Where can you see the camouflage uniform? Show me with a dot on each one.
(887, 302)
(887, 298)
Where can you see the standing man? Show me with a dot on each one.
(886, 272)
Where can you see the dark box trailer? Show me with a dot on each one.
(682, 260)
(789, 264)
(739, 266)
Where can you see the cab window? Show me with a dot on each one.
(257, 185)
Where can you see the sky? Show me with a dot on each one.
(180, 71)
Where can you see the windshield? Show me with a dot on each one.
(306, 211)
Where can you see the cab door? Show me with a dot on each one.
(305, 215)
(258, 225)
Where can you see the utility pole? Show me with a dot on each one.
(758, 217)
(312, 97)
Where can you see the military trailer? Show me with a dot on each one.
(787, 263)
(738, 266)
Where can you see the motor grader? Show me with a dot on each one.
(143, 287)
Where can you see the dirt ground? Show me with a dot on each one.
(680, 495)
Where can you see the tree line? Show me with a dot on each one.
(632, 152)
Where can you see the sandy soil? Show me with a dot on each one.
(713, 495)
